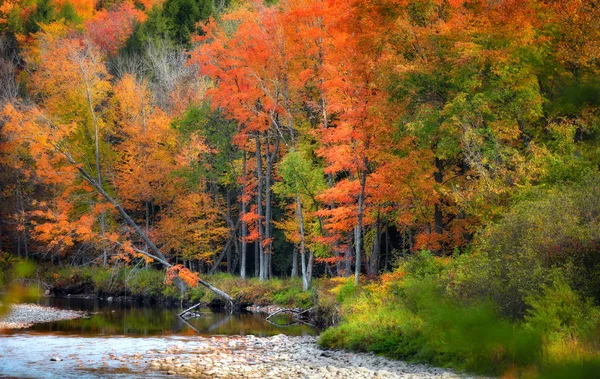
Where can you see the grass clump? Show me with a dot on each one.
(283, 292)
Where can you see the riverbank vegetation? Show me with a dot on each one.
(149, 285)
(442, 154)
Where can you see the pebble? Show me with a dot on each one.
(25, 315)
(277, 357)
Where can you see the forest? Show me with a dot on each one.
(428, 170)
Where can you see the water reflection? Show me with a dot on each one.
(134, 319)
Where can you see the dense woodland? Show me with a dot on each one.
(389, 141)
(295, 138)
(289, 138)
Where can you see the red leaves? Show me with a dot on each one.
(110, 29)
(190, 278)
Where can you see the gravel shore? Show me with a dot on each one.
(275, 357)
(25, 315)
(280, 356)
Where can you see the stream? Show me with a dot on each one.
(95, 347)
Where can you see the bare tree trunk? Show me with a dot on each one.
(358, 233)
(387, 248)
(21, 208)
(219, 259)
(243, 225)
(375, 250)
(295, 263)
(305, 279)
(438, 221)
(236, 247)
(256, 260)
(270, 265)
(147, 225)
(96, 150)
(309, 267)
(262, 274)
(268, 209)
(347, 259)
(233, 230)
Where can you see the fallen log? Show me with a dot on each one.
(188, 310)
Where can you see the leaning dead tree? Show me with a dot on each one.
(155, 254)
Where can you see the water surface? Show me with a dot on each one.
(132, 319)
(115, 329)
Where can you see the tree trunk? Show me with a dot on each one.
(305, 279)
(387, 248)
(243, 226)
(270, 156)
(375, 250)
(256, 260)
(147, 226)
(295, 263)
(262, 274)
(309, 267)
(96, 151)
(219, 259)
(233, 231)
(21, 208)
(439, 178)
(358, 233)
(348, 259)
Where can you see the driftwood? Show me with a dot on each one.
(188, 310)
(299, 316)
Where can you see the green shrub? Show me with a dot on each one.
(293, 296)
(421, 264)
(146, 283)
(286, 292)
(557, 310)
(347, 291)
(102, 279)
(7, 262)
(514, 257)
(414, 319)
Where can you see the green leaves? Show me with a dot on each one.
(300, 176)
(175, 21)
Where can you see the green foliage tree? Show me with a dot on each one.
(302, 181)
(175, 20)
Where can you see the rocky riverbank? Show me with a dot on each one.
(274, 357)
(25, 315)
